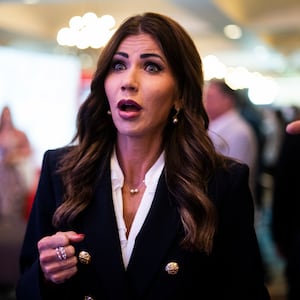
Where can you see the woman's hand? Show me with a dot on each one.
(57, 256)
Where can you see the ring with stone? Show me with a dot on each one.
(61, 253)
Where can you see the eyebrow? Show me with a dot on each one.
(145, 55)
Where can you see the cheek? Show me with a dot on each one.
(108, 87)
(163, 102)
(164, 92)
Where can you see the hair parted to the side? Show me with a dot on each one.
(185, 144)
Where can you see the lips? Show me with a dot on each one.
(128, 105)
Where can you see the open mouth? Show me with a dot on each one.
(128, 105)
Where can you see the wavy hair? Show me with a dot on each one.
(185, 143)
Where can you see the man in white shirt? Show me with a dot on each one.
(231, 134)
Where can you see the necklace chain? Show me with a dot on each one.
(136, 190)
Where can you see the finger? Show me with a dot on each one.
(59, 239)
(74, 237)
(62, 253)
(59, 268)
(293, 127)
(53, 255)
(53, 241)
(59, 274)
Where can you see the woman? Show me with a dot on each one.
(142, 207)
(15, 154)
(15, 151)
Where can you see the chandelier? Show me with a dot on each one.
(87, 31)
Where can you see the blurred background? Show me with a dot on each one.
(49, 49)
(255, 44)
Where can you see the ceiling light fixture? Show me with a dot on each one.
(31, 1)
(233, 32)
(87, 31)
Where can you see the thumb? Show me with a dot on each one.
(74, 236)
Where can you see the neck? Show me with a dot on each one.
(135, 163)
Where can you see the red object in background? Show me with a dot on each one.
(85, 82)
(31, 194)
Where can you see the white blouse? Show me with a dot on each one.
(117, 180)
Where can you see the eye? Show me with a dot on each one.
(152, 67)
(118, 66)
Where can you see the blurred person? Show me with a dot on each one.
(255, 117)
(285, 222)
(15, 150)
(274, 127)
(231, 134)
(140, 205)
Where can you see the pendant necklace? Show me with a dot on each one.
(136, 190)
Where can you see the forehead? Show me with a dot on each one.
(139, 43)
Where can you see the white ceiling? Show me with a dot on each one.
(270, 44)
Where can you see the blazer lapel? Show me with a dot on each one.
(102, 240)
(160, 228)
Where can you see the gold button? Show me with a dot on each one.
(172, 268)
(84, 257)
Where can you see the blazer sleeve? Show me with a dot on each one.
(236, 252)
(48, 197)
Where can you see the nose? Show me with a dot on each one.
(128, 87)
(130, 82)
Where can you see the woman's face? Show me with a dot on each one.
(140, 87)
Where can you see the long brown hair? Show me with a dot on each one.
(185, 144)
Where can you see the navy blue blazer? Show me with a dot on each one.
(232, 271)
